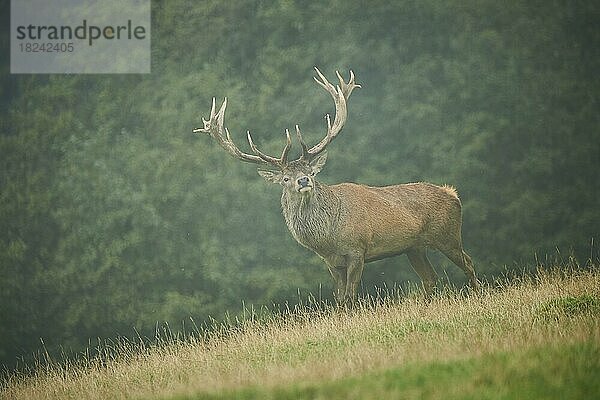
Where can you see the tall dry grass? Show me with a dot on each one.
(317, 345)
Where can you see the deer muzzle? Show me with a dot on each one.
(304, 184)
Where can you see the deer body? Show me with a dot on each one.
(378, 222)
(350, 224)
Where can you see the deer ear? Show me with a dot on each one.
(270, 176)
(318, 163)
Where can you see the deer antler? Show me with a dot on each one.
(214, 128)
(340, 94)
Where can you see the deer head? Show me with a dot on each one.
(296, 176)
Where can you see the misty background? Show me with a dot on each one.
(115, 217)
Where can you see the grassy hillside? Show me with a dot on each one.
(526, 337)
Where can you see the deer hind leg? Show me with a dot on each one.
(420, 263)
(459, 257)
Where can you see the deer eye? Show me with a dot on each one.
(286, 178)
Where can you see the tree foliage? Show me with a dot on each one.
(115, 216)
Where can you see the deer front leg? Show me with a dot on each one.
(356, 265)
(339, 275)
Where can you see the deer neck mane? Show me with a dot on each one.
(311, 218)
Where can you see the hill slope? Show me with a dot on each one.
(535, 337)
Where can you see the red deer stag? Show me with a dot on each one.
(350, 224)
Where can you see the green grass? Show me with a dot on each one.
(528, 337)
(569, 372)
(570, 306)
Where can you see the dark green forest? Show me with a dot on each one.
(115, 217)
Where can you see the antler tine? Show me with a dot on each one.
(286, 149)
(214, 128)
(305, 153)
(324, 83)
(267, 158)
(347, 88)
